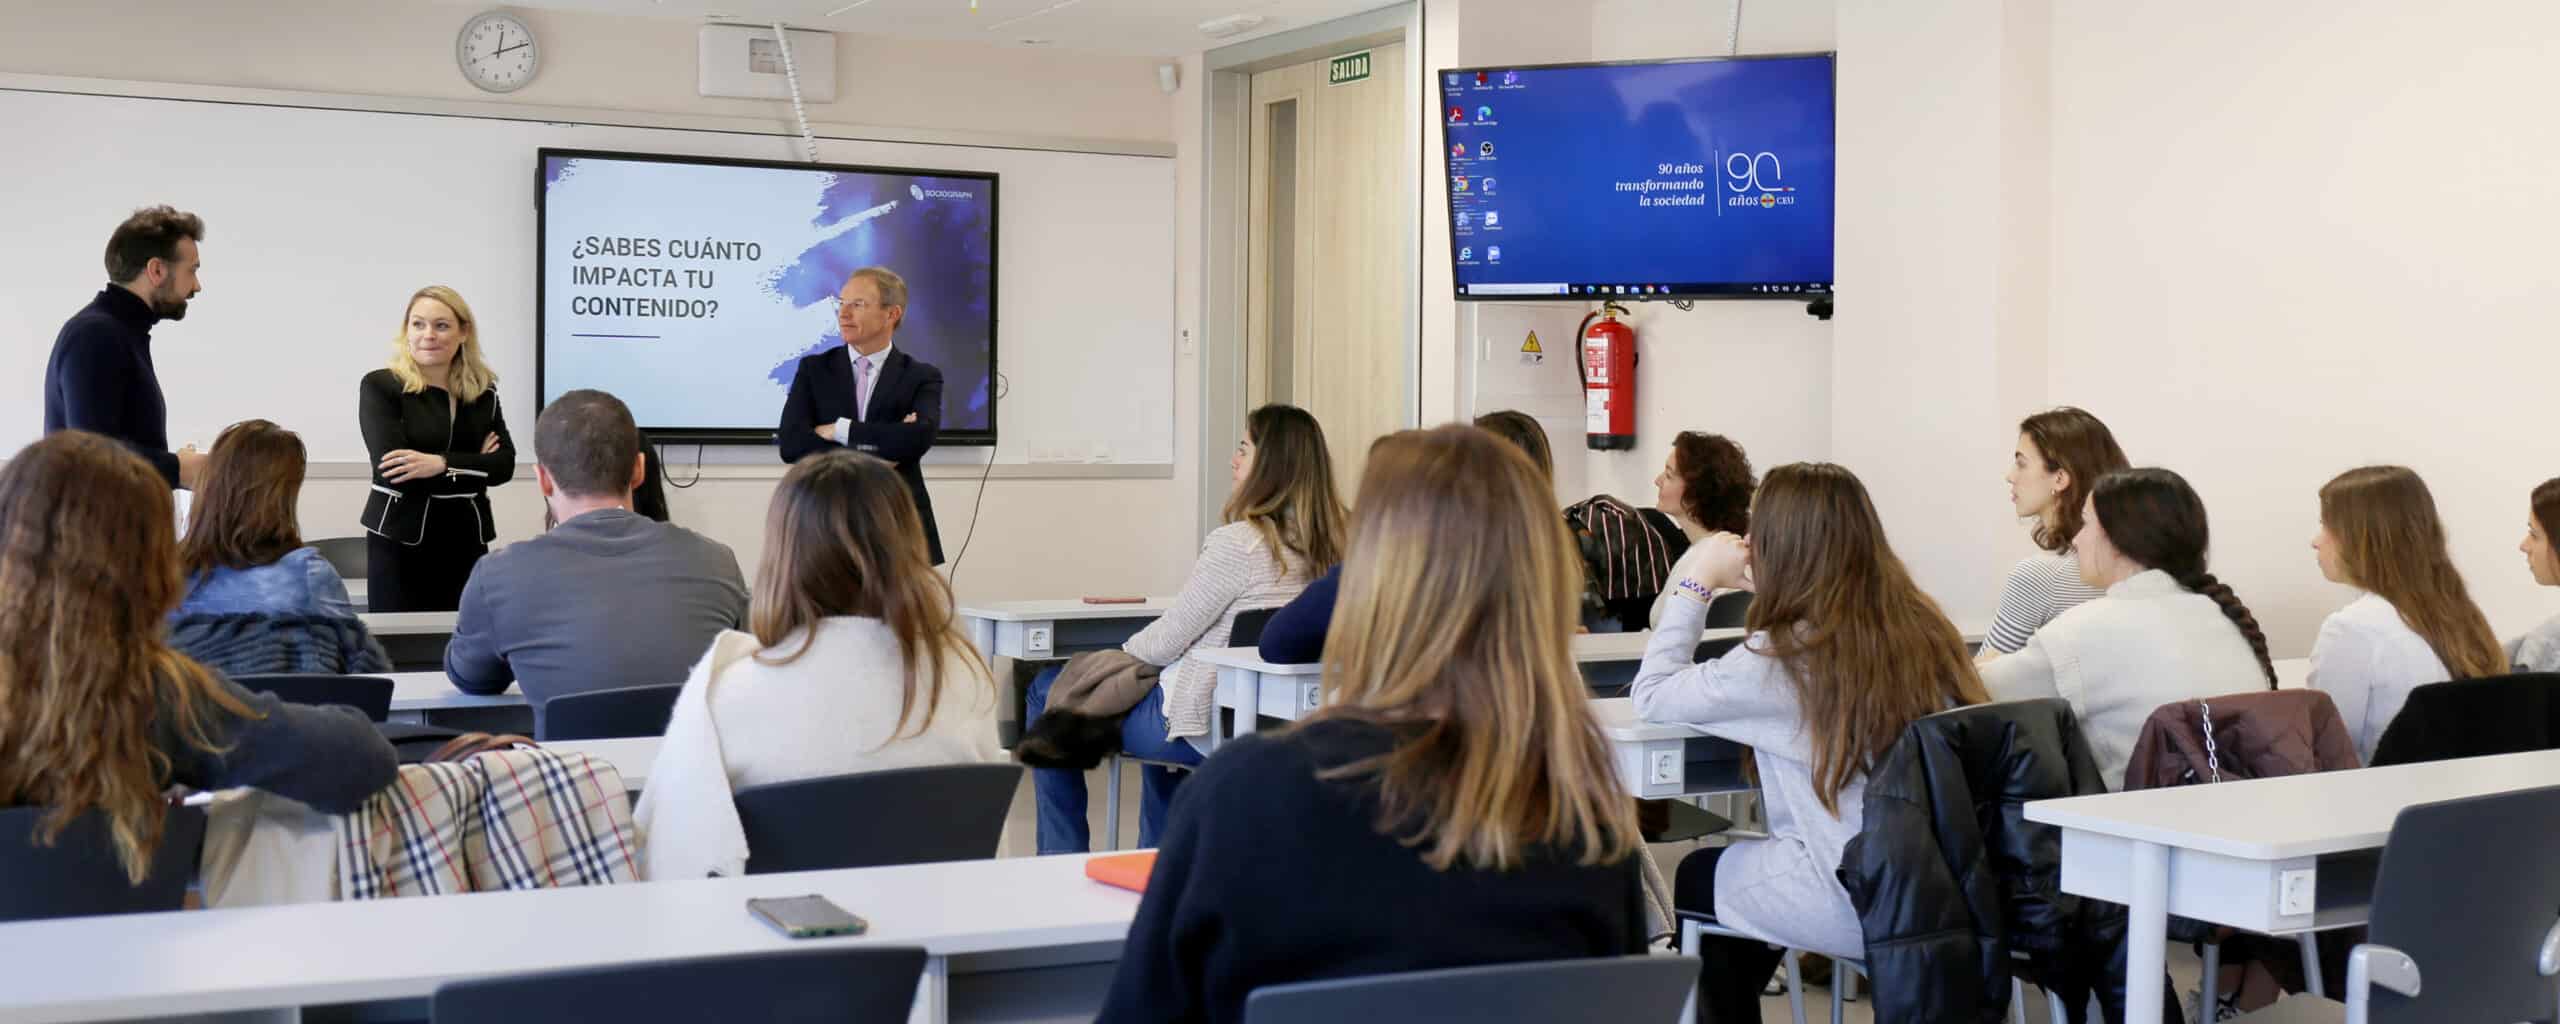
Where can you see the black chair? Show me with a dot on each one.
(2468, 900)
(80, 874)
(1729, 609)
(607, 714)
(940, 813)
(840, 982)
(369, 694)
(1598, 990)
(345, 554)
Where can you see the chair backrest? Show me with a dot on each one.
(1598, 990)
(854, 983)
(877, 819)
(345, 554)
(2507, 714)
(369, 694)
(607, 714)
(1249, 624)
(1729, 609)
(79, 874)
(2468, 890)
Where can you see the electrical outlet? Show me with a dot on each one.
(1662, 768)
(2295, 889)
(1309, 696)
(1036, 640)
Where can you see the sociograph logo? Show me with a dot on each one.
(1757, 180)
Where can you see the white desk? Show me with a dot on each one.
(971, 917)
(1042, 630)
(630, 756)
(408, 623)
(2223, 853)
(357, 592)
(413, 694)
(1662, 762)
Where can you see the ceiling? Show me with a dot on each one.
(1152, 28)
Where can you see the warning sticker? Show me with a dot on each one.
(1531, 345)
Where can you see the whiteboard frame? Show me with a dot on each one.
(956, 462)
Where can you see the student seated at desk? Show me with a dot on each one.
(1705, 485)
(1452, 803)
(2415, 624)
(854, 665)
(2060, 454)
(96, 711)
(1295, 634)
(258, 601)
(2539, 651)
(608, 598)
(1283, 522)
(2165, 631)
(1844, 651)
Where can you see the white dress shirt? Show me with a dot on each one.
(866, 379)
(2367, 660)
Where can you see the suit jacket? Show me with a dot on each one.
(822, 393)
(2507, 714)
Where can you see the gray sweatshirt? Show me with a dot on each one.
(606, 600)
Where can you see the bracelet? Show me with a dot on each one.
(1692, 588)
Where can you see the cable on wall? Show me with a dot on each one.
(791, 73)
(1732, 33)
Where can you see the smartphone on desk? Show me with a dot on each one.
(1115, 600)
(807, 917)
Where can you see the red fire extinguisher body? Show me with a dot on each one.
(1608, 382)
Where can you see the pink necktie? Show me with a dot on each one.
(861, 387)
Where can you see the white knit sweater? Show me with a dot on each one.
(1235, 573)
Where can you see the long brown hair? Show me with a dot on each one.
(1867, 651)
(1289, 495)
(2391, 542)
(2071, 440)
(88, 571)
(2153, 517)
(842, 538)
(2546, 510)
(1455, 619)
(1522, 429)
(243, 516)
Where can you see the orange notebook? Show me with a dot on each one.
(1126, 871)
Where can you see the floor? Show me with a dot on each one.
(1019, 841)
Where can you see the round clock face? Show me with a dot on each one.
(497, 52)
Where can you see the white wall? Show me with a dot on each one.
(1039, 537)
(2288, 241)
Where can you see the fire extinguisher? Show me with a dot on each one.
(1608, 368)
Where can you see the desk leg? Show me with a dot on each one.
(1249, 717)
(982, 632)
(2147, 932)
(933, 993)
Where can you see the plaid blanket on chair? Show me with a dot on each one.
(508, 819)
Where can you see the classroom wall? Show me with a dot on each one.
(2288, 241)
(1036, 537)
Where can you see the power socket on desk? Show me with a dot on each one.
(2296, 889)
(1662, 768)
(1036, 640)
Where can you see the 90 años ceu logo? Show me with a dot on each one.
(1761, 173)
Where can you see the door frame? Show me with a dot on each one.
(1227, 132)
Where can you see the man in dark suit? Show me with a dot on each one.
(867, 395)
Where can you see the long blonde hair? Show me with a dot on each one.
(470, 376)
(88, 573)
(842, 537)
(1289, 495)
(2391, 542)
(1867, 651)
(1456, 618)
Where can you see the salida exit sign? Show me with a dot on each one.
(1346, 69)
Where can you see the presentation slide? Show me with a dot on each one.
(1680, 178)
(692, 287)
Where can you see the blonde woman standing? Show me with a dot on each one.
(438, 441)
(1451, 804)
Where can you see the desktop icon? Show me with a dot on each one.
(1466, 253)
(1486, 149)
(1493, 218)
(1510, 78)
(1463, 217)
(1457, 150)
(1455, 81)
(1480, 78)
(1493, 253)
(1457, 114)
(1488, 186)
(1458, 184)
(1484, 113)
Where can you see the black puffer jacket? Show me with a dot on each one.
(1950, 878)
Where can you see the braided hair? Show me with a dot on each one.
(2155, 519)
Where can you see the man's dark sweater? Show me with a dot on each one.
(100, 378)
(606, 600)
(1267, 874)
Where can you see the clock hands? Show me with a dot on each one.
(502, 51)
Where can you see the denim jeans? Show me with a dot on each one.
(1061, 794)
